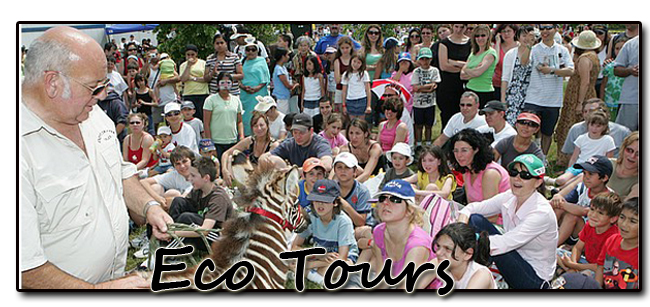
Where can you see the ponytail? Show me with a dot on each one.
(465, 237)
(482, 249)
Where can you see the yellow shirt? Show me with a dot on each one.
(192, 87)
(423, 181)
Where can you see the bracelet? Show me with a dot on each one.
(148, 205)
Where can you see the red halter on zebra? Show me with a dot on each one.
(261, 233)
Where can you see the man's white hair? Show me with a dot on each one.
(44, 55)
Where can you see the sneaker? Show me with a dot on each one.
(139, 241)
(313, 276)
(143, 252)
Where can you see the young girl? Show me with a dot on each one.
(433, 174)
(341, 63)
(328, 65)
(403, 74)
(313, 86)
(282, 83)
(161, 150)
(610, 89)
(332, 132)
(330, 228)
(356, 88)
(468, 254)
(400, 157)
(594, 142)
(388, 62)
(145, 98)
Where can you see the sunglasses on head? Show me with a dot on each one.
(525, 175)
(173, 113)
(373, 32)
(528, 123)
(392, 199)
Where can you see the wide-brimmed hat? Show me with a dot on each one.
(402, 149)
(587, 40)
(265, 103)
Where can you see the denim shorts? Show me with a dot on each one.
(357, 107)
(310, 104)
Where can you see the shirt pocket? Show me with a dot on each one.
(62, 204)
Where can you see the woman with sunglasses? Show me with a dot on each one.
(135, 147)
(399, 237)
(524, 252)
(452, 54)
(414, 38)
(480, 65)
(522, 143)
(372, 50)
(428, 33)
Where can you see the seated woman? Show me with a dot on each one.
(253, 146)
(135, 147)
(393, 130)
(470, 154)
(625, 177)
(525, 252)
(368, 152)
(522, 143)
(468, 254)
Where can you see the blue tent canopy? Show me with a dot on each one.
(125, 28)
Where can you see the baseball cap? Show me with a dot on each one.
(404, 56)
(164, 130)
(493, 105)
(302, 121)
(206, 145)
(187, 104)
(597, 164)
(402, 149)
(425, 53)
(533, 164)
(397, 187)
(346, 158)
(529, 116)
(172, 106)
(164, 56)
(575, 281)
(324, 190)
(312, 163)
(265, 103)
(330, 49)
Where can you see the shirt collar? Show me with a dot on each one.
(32, 123)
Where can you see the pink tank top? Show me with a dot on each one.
(475, 189)
(387, 136)
(418, 237)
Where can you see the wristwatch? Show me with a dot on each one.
(552, 72)
(148, 205)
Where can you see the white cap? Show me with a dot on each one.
(172, 106)
(164, 130)
(348, 159)
(164, 56)
(265, 103)
(402, 149)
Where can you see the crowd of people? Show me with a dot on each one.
(357, 118)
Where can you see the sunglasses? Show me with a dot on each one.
(600, 32)
(427, 33)
(415, 36)
(546, 27)
(95, 91)
(173, 113)
(133, 50)
(469, 105)
(528, 123)
(251, 49)
(135, 123)
(525, 175)
(480, 35)
(373, 32)
(632, 151)
(392, 199)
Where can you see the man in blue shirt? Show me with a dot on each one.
(331, 40)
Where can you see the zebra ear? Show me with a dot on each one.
(291, 181)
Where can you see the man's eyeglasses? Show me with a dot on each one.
(173, 113)
(528, 123)
(525, 175)
(392, 199)
(630, 150)
(95, 91)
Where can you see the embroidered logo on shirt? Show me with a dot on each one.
(105, 135)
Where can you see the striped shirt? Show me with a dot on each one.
(229, 65)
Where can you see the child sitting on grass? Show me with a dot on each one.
(207, 205)
(313, 170)
(603, 214)
(618, 263)
(400, 156)
(433, 175)
(570, 209)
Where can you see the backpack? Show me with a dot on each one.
(438, 213)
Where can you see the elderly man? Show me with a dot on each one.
(331, 40)
(468, 117)
(303, 144)
(495, 116)
(73, 219)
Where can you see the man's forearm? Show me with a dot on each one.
(135, 195)
(48, 276)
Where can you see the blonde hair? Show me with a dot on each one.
(633, 137)
(415, 213)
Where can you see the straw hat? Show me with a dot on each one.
(587, 40)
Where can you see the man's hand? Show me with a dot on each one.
(128, 282)
(545, 69)
(158, 219)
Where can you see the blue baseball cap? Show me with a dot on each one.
(404, 56)
(397, 187)
(324, 190)
(597, 164)
(206, 145)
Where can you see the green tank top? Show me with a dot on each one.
(372, 59)
(482, 83)
(622, 186)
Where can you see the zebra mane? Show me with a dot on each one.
(264, 174)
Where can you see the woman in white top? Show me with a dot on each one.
(468, 254)
(525, 252)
